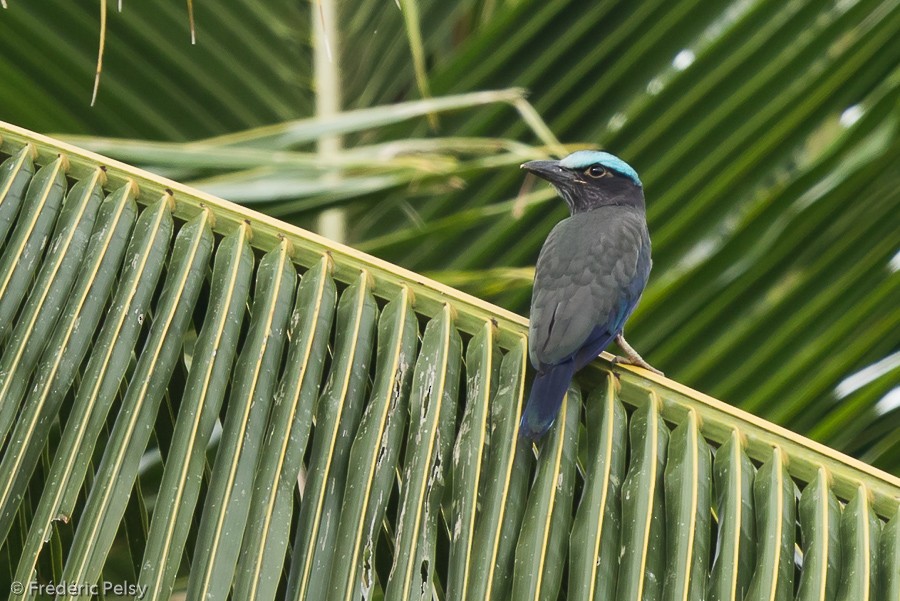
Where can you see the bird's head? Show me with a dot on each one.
(588, 179)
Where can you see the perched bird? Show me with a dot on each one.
(589, 276)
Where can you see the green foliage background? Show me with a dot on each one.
(766, 133)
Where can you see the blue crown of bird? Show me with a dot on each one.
(589, 277)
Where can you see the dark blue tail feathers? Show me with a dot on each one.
(546, 397)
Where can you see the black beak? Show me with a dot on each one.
(548, 170)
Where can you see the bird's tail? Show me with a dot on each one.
(546, 397)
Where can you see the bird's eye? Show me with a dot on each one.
(595, 171)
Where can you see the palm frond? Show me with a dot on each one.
(462, 507)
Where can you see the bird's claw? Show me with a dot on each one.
(617, 360)
(632, 358)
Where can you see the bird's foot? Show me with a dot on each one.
(617, 360)
(632, 357)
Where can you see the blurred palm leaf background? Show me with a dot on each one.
(766, 133)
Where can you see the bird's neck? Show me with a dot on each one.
(583, 205)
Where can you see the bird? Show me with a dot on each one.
(589, 276)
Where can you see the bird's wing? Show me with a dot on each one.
(590, 274)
